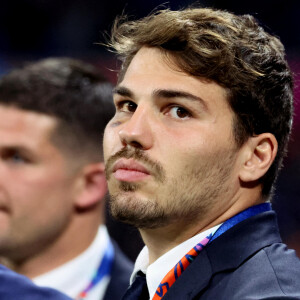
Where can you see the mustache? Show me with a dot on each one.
(154, 167)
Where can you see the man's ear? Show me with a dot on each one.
(258, 155)
(92, 187)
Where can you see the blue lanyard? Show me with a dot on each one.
(103, 270)
(250, 212)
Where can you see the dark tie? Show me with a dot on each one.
(138, 290)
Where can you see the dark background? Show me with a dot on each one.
(35, 29)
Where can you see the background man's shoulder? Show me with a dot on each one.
(18, 287)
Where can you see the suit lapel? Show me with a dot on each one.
(191, 282)
(226, 252)
(243, 240)
(120, 274)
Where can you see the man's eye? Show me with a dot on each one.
(179, 112)
(126, 106)
(17, 158)
(14, 157)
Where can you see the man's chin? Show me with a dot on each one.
(141, 223)
(137, 213)
(128, 186)
(118, 187)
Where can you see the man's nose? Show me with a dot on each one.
(137, 131)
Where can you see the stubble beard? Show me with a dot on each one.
(124, 205)
(185, 198)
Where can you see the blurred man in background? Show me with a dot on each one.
(52, 182)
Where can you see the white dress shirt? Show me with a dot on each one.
(74, 276)
(158, 269)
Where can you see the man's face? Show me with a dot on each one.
(35, 186)
(169, 150)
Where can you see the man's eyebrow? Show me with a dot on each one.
(178, 94)
(161, 93)
(122, 91)
(12, 148)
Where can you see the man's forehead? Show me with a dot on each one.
(18, 116)
(25, 124)
(152, 66)
(148, 57)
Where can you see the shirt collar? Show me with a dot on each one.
(72, 277)
(157, 270)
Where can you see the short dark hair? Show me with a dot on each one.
(72, 91)
(233, 51)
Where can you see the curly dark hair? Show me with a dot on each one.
(235, 52)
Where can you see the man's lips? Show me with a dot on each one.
(129, 170)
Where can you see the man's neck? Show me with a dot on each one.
(68, 246)
(161, 240)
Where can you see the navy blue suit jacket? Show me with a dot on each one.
(17, 287)
(247, 262)
(120, 275)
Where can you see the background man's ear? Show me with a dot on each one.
(259, 154)
(92, 186)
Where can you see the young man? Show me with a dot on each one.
(203, 116)
(52, 117)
